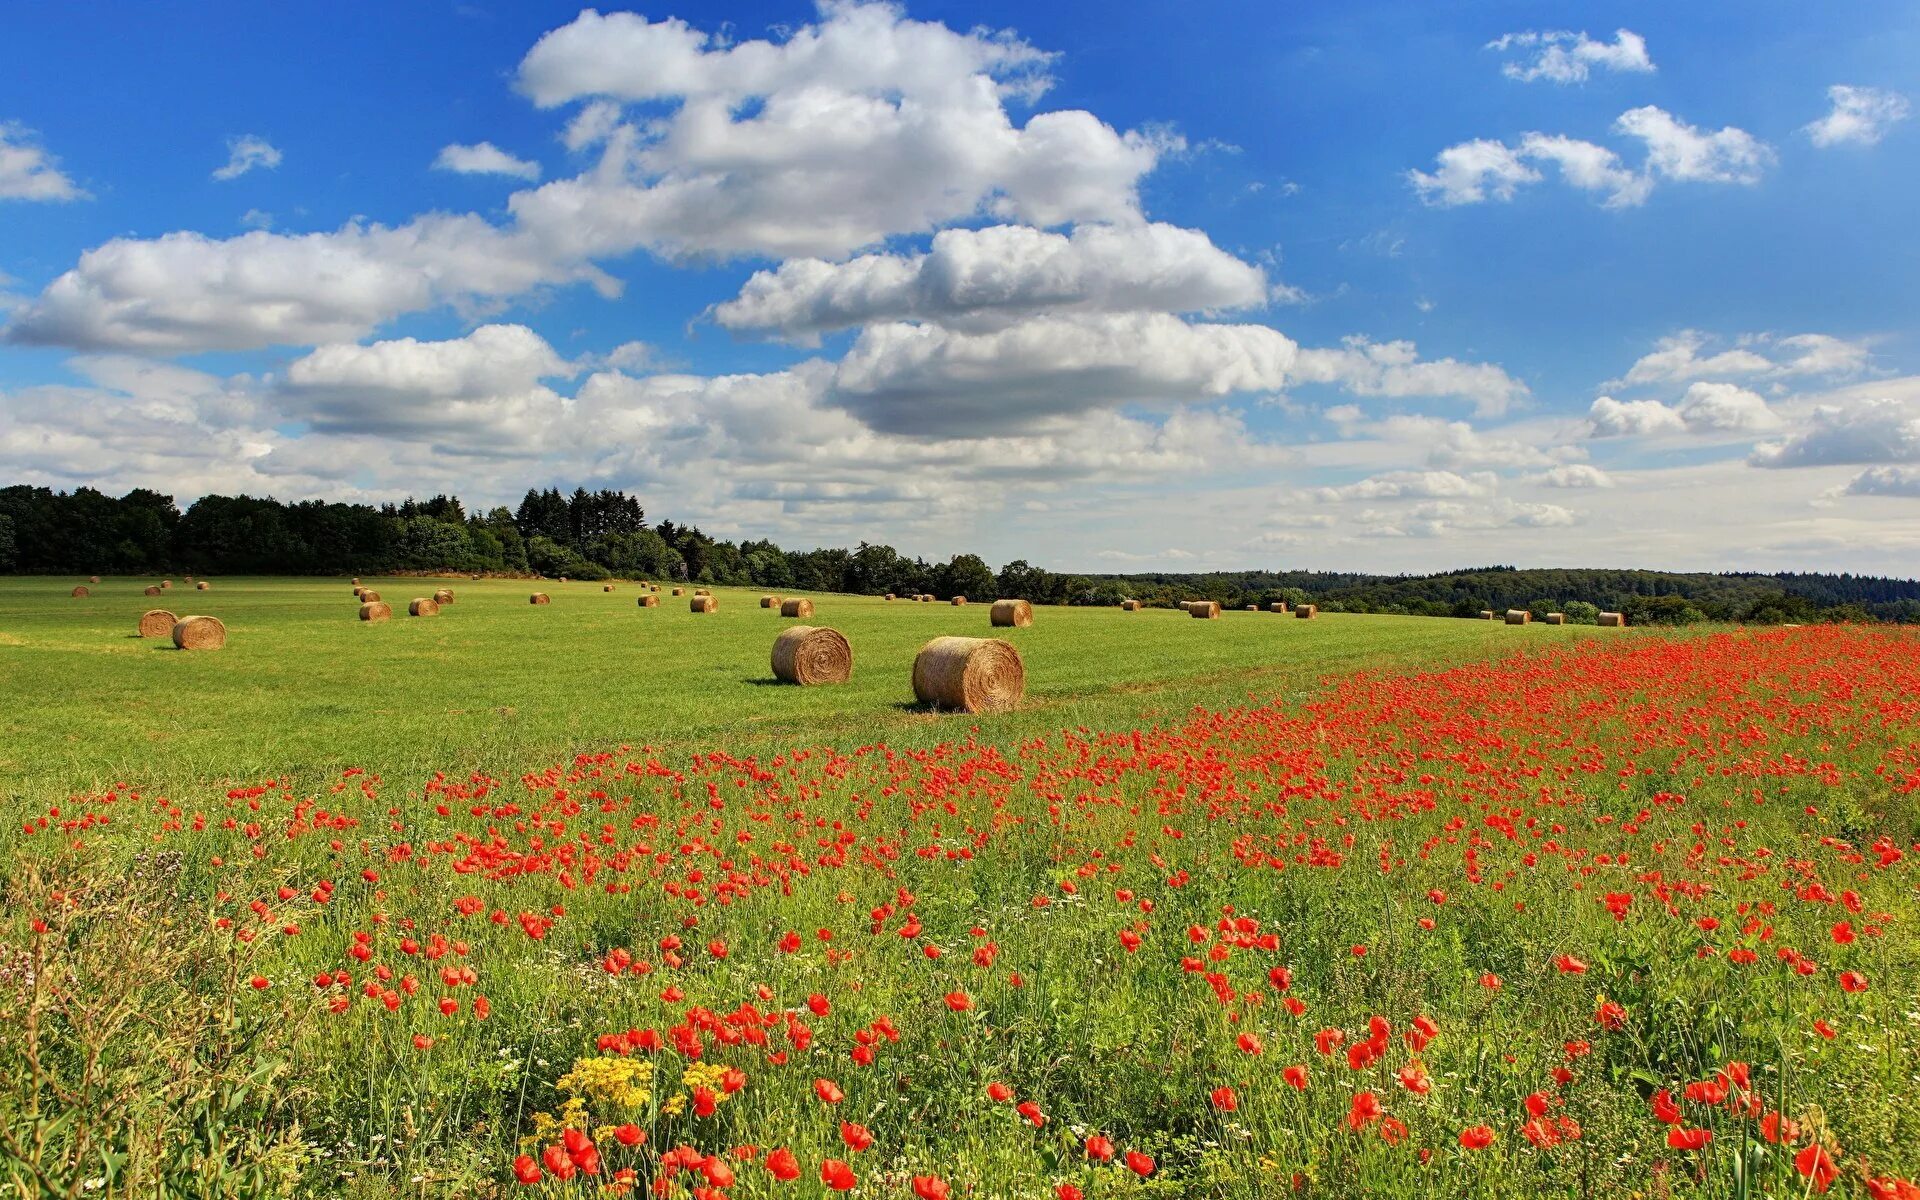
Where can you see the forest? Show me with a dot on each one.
(605, 534)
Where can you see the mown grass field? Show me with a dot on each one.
(495, 683)
(574, 902)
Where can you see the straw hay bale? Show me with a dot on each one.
(1486, 614)
(422, 606)
(796, 607)
(356, 581)
(958, 601)
(970, 674)
(539, 598)
(1613, 620)
(1253, 608)
(166, 584)
(770, 602)
(649, 601)
(889, 595)
(606, 587)
(93, 579)
(812, 654)
(443, 597)
(157, 622)
(1011, 614)
(1306, 612)
(376, 610)
(369, 596)
(1519, 616)
(151, 591)
(1278, 606)
(1129, 606)
(202, 586)
(679, 591)
(1206, 610)
(1556, 618)
(81, 591)
(703, 604)
(199, 633)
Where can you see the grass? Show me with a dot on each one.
(496, 684)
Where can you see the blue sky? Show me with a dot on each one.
(1388, 286)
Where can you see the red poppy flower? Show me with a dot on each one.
(783, 1165)
(1099, 1147)
(1140, 1164)
(838, 1175)
(1476, 1137)
(1225, 1100)
(828, 1091)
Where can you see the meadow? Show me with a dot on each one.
(574, 900)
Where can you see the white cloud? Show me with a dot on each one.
(481, 389)
(1869, 431)
(1394, 369)
(1860, 116)
(1480, 170)
(185, 292)
(1410, 485)
(246, 152)
(924, 379)
(1677, 358)
(1886, 481)
(1679, 151)
(1633, 418)
(1471, 172)
(1590, 168)
(485, 159)
(982, 278)
(1447, 518)
(27, 171)
(860, 127)
(1562, 56)
(1706, 408)
(1572, 475)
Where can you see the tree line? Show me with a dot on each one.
(605, 534)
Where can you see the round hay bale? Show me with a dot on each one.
(199, 633)
(679, 591)
(82, 591)
(165, 584)
(151, 591)
(1519, 616)
(422, 606)
(563, 579)
(1129, 606)
(770, 602)
(811, 654)
(1278, 606)
(1253, 608)
(958, 601)
(1613, 620)
(156, 622)
(369, 596)
(1011, 614)
(926, 599)
(376, 611)
(93, 579)
(796, 607)
(649, 601)
(358, 591)
(970, 674)
(889, 595)
(202, 586)
(443, 597)
(356, 581)
(1206, 610)
(539, 598)
(1306, 612)
(1486, 614)
(703, 604)
(703, 591)
(1556, 618)
(606, 587)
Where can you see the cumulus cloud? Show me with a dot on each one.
(1679, 151)
(1572, 475)
(1860, 116)
(926, 379)
(1410, 485)
(1870, 431)
(1394, 369)
(982, 278)
(246, 152)
(860, 127)
(485, 159)
(1706, 408)
(1886, 481)
(1444, 518)
(27, 171)
(1678, 358)
(1561, 56)
(1447, 444)
(185, 292)
(1481, 170)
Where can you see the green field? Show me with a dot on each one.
(498, 685)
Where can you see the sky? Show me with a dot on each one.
(1379, 286)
